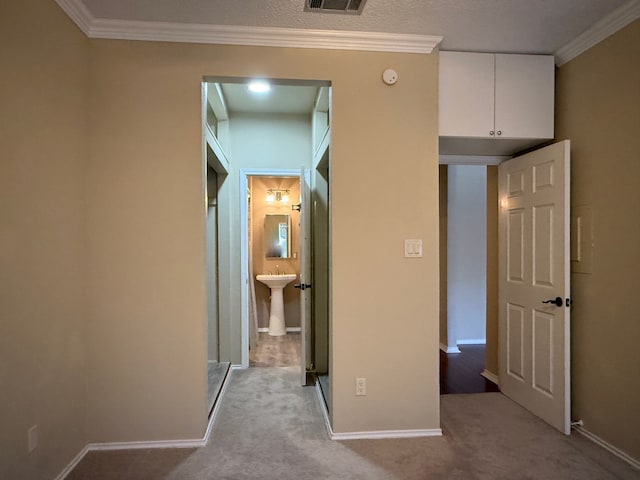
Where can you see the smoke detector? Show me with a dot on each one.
(350, 7)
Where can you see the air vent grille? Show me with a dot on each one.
(350, 7)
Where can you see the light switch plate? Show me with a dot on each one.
(413, 248)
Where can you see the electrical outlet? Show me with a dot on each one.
(32, 438)
(361, 386)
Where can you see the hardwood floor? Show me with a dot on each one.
(460, 372)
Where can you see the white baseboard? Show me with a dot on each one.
(289, 329)
(323, 406)
(607, 446)
(434, 432)
(72, 464)
(472, 341)
(430, 432)
(492, 377)
(447, 349)
(186, 443)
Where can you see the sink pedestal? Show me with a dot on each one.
(276, 313)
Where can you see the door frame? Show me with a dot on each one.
(245, 173)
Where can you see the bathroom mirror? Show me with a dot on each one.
(277, 235)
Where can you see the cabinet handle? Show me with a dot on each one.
(499, 132)
(492, 133)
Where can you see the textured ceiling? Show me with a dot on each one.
(515, 26)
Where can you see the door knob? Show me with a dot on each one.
(302, 286)
(556, 301)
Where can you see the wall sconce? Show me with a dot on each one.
(277, 195)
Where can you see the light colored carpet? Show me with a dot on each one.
(270, 428)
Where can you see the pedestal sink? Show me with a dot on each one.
(276, 314)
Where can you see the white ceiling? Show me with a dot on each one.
(508, 26)
(281, 99)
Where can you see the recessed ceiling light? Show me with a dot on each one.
(259, 86)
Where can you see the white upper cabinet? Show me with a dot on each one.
(467, 87)
(524, 96)
(494, 104)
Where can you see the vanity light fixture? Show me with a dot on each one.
(277, 195)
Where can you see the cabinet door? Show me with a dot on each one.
(466, 94)
(524, 96)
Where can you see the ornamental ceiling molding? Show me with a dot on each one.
(617, 20)
(242, 35)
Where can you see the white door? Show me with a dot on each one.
(534, 275)
(305, 276)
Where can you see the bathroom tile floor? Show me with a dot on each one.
(282, 351)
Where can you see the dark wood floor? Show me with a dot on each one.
(460, 372)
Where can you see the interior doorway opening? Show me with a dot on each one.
(268, 136)
(468, 279)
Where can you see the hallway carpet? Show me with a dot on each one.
(270, 428)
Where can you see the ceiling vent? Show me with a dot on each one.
(351, 7)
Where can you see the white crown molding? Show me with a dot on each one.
(618, 19)
(242, 35)
(76, 10)
(263, 36)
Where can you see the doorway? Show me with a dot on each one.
(271, 133)
(468, 276)
(272, 244)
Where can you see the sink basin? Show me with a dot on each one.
(276, 281)
(276, 311)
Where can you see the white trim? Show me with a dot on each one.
(78, 12)
(188, 443)
(472, 341)
(323, 406)
(263, 36)
(492, 377)
(607, 446)
(322, 147)
(243, 35)
(618, 19)
(471, 159)
(289, 329)
(380, 434)
(447, 349)
(244, 249)
(73, 463)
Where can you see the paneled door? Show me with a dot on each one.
(535, 284)
(305, 276)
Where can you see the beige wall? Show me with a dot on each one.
(146, 239)
(261, 264)
(598, 109)
(43, 149)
